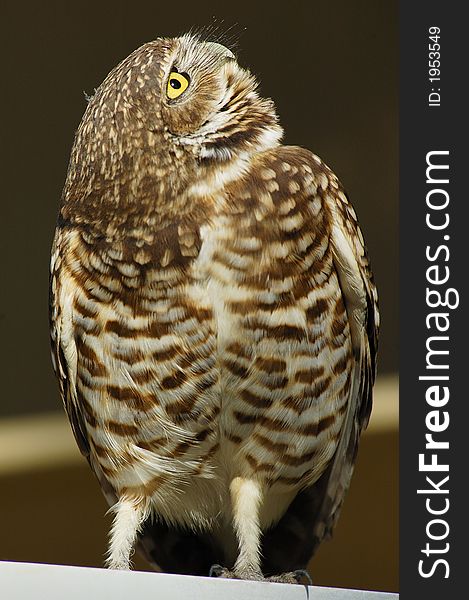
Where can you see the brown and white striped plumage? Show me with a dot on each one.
(214, 318)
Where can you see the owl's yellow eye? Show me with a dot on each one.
(177, 84)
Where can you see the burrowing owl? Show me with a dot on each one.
(214, 318)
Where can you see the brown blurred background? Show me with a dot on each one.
(331, 68)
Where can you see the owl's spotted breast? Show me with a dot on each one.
(145, 351)
(283, 339)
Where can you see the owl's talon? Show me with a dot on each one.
(303, 577)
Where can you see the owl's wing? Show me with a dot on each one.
(360, 297)
(314, 511)
(63, 349)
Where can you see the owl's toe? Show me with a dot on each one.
(219, 571)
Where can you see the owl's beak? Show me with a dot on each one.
(222, 52)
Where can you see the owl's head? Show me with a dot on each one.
(184, 94)
(209, 102)
(172, 111)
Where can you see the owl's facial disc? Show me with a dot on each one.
(210, 103)
(178, 82)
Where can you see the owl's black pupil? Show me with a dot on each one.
(175, 84)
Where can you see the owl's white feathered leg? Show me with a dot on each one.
(130, 515)
(246, 498)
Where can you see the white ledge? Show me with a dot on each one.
(26, 581)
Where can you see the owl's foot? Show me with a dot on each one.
(300, 576)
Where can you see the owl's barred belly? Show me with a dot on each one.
(211, 380)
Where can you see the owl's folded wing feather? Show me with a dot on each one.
(63, 347)
(360, 297)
